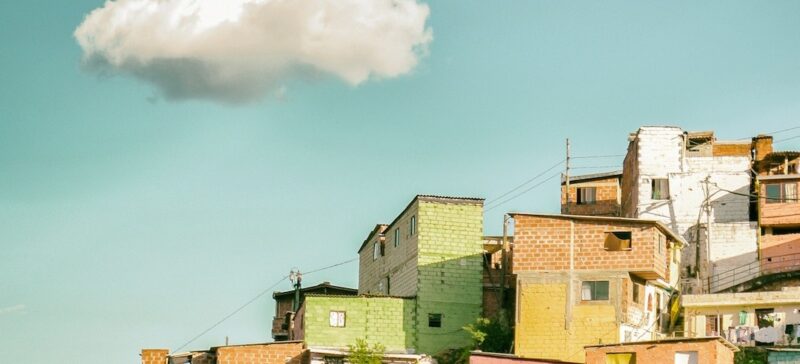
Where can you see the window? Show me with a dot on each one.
(712, 325)
(337, 318)
(587, 195)
(781, 192)
(333, 359)
(396, 238)
(764, 317)
(661, 244)
(594, 291)
(660, 189)
(686, 357)
(376, 250)
(637, 292)
(618, 240)
(621, 358)
(434, 320)
(412, 226)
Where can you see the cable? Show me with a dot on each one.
(598, 156)
(787, 139)
(524, 183)
(521, 193)
(756, 197)
(774, 132)
(587, 167)
(259, 295)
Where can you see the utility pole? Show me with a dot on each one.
(504, 265)
(566, 176)
(296, 277)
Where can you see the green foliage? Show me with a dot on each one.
(362, 353)
(453, 356)
(750, 355)
(492, 336)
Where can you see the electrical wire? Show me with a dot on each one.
(521, 193)
(255, 298)
(775, 132)
(489, 202)
(787, 139)
(589, 167)
(597, 156)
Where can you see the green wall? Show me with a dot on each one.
(385, 320)
(450, 273)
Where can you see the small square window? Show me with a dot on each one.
(686, 357)
(594, 291)
(660, 189)
(396, 238)
(618, 240)
(781, 192)
(587, 195)
(337, 318)
(434, 320)
(412, 226)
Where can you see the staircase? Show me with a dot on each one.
(730, 279)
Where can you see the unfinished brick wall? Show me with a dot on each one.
(607, 196)
(709, 351)
(274, 353)
(543, 244)
(779, 213)
(154, 356)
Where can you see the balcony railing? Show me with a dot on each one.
(768, 265)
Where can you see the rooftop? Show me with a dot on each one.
(324, 286)
(676, 340)
(592, 176)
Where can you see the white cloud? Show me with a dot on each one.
(241, 50)
(12, 309)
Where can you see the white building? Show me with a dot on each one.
(698, 186)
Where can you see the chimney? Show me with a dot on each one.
(762, 145)
(154, 356)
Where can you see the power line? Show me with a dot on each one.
(775, 132)
(255, 298)
(787, 139)
(524, 183)
(521, 193)
(586, 167)
(598, 156)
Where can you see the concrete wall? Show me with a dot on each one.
(658, 152)
(450, 277)
(494, 358)
(711, 351)
(397, 268)
(385, 320)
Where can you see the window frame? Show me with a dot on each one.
(581, 195)
(434, 318)
(376, 250)
(616, 234)
(396, 237)
(783, 193)
(341, 317)
(593, 292)
(412, 225)
(661, 182)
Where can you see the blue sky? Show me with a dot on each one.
(128, 220)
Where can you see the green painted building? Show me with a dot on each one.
(420, 281)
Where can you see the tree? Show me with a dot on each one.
(363, 353)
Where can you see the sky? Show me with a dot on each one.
(159, 171)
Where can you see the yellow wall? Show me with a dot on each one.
(541, 330)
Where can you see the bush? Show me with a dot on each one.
(362, 353)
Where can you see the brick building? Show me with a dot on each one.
(597, 194)
(284, 305)
(711, 350)
(588, 279)
(479, 357)
(420, 278)
(778, 207)
(287, 352)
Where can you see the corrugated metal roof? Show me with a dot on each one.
(587, 177)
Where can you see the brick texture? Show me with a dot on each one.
(154, 356)
(607, 198)
(275, 353)
(709, 351)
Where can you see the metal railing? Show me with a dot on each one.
(768, 265)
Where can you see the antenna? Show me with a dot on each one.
(297, 278)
